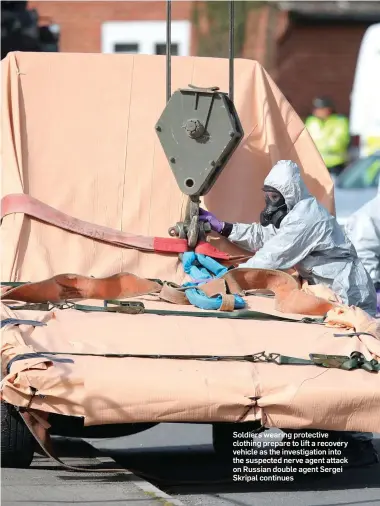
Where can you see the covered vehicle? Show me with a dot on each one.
(356, 186)
(363, 228)
(87, 190)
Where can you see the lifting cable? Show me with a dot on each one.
(168, 49)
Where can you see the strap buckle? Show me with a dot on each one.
(61, 305)
(307, 319)
(119, 306)
(273, 358)
(329, 361)
(355, 361)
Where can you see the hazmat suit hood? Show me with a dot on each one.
(286, 178)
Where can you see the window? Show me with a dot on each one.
(161, 49)
(145, 37)
(126, 48)
(363, 173)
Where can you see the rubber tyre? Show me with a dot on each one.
(222, 435)
(17, 442)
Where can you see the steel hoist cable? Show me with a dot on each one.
(168, 49)
(231, 49)
(198, 120)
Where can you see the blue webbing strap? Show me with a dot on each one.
(16, 321)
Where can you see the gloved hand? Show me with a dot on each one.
(378, 301)
(216, 225)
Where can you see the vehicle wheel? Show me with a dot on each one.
(222, 435)
(17, 442)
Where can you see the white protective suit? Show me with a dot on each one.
(309, 239)
(363, 229)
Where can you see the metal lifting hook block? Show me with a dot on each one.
(199, 130)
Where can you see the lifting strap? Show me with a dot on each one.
(48, 449)
(34, 208)
(65, 287)
(34, 425)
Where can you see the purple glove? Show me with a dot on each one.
(378, 302)
(216, 225)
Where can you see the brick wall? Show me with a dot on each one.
(304, 59)
(81, 22)
(318, 60)
(264, 27)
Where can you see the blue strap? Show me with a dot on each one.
(15, 321)
(194, 268)
(202, 268)
(41, 355)
(200, 299)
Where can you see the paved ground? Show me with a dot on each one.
(174, 456)
(178, 454)
(46, 484)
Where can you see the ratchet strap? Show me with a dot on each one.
(128, 307)
(34, 208)
(355, 361)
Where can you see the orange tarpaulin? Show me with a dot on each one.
(78, 134)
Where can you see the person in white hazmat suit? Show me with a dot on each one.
(363, 229)
(296, 231)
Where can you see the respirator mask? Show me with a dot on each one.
(275, 208)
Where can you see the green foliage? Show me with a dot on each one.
(216, 42)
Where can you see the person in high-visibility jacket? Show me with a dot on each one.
(330, 133)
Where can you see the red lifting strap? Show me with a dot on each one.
(25, 204)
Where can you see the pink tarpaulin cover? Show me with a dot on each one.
(78, 134)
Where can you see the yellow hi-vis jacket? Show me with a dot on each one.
(331, 136)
